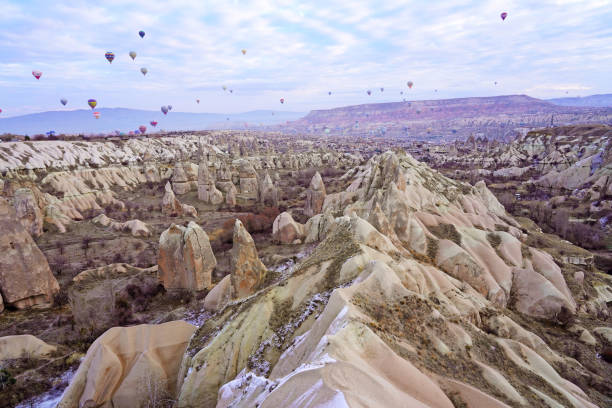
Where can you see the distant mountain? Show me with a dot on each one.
(603, 100)
(83, 121)
(497, 117)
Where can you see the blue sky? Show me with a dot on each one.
(298, 51)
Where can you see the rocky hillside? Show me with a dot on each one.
(420, 290)
(497, 117)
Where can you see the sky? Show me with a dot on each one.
(297, 50)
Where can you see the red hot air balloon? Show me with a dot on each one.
(282, 100)
(142, 129)
(96, 115)
(503, 15)
(153, 123)
(37, 74)
(0, 110)
(164, 110)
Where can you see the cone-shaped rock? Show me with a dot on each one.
(246, 269)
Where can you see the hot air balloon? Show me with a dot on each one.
(243, 51)
(110, 57)
(137, 132)
(164, 109)
(282, 100)
(169, 107)
(153, 123)
(64, 101)
(329, 93)
(495, 82)
(144, 70)
(503, 15)
(131, 133)
(37, 74)
(369, 92)
(92, 103)
(96, 115)
(382, 89)
(133, 55)
(410, 83)
(224, 87)
(231, 91)
(197, 100)
(401, 92)
(0, 110)
(141, 34)
(142, 129)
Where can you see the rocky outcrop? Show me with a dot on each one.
(247, 271)
(24, 346)
(130, 366)
(185, 259)
(268, 193)
(25, 276)
(180, 183)
(172, 207)
(135, 227)
(249, 187)
(285, 230)
(317, 227)
(315, 196)
(220, 295)
(94, 293)
(207, 191)
(28, 212)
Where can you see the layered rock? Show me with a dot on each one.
(130, 366)
(185, 259)
(247, 271)
(28, 212)
(249, 187)
(315, 196)
(180, 182)
(207, 191)
(25, 276)
(285, 230)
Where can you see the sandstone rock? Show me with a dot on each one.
(171, 206)
(538, 297)
(230, 195)
(220, 295)
(28, 212)
(247, 271)
(94, 292)
(135, 227)
(185, 260)
(189, 210)
(268, 194)
(315, 196)
(24, 346)
(180, 182)
(25, 276)
(317, 227)
(249, 187)
(285, 230)
(130, 367)
(207, 191)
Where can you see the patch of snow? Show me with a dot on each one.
(51, 398)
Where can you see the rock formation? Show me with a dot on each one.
(207, 191)
(285, 230)
(130, 366)
(94, 292)
(268, 193)
(135, 227)
(24, 346)
(25, 277)
(180, 182)
(247, 271)
(28, 212)
(315, 196)
(248, 180)
(185, 260)
(172, 207)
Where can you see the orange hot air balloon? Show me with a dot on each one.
(96, 115)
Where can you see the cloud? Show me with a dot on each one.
(297, 50)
